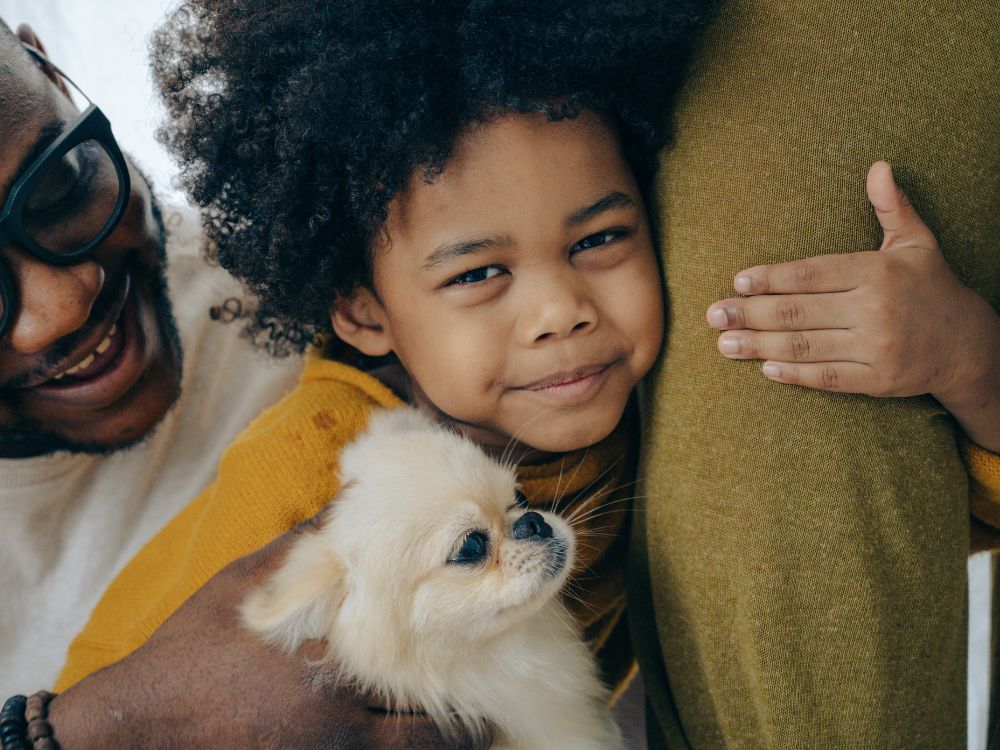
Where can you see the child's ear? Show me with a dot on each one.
(360, 320)
(300, 600)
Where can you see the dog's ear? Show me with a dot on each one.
(301, 599)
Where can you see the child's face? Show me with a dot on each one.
(519, 289)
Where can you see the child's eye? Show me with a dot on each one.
(476, 275)
(599, 239)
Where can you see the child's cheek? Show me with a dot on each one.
(649, 319)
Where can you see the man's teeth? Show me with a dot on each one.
(89, 359)
(103, 346)
(84, 364)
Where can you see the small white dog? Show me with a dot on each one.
(433, 586)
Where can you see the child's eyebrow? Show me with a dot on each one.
(449, 251)
(612, 200)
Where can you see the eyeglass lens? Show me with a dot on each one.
(73, 200)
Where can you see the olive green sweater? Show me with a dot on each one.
(800, 580)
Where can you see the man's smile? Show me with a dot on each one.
(98, 374)
(72, 351)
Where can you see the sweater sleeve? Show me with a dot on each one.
(280, 471)
(984, 482)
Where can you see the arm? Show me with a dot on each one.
(202, 680)
(896, 322)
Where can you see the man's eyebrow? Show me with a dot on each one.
(46, 137)
(450, 251)
(612, 200)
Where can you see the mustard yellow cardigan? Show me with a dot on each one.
(283, 469)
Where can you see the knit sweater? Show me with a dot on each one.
(283, 469)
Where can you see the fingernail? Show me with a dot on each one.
(729, 345)
(717, 317)
(742, 283)
(771, 370)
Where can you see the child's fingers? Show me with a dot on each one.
(783, 312)
(899, 220)
(845, 377)
(800, 346)
(822, 273)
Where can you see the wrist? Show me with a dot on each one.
(92, 714)
(70, 724)
(973, 394)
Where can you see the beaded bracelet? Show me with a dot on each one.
(24, 723)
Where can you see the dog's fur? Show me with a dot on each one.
(485, 643)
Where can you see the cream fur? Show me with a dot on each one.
(487, 644)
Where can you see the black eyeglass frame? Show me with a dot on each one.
(93, 125)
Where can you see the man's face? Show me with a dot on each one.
(520, 289)
(91, 360)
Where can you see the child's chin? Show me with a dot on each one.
(578, 436)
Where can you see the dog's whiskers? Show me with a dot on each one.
(604, 510)
(515, 438)
(558, 497)
(594, 502)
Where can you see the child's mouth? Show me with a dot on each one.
(573, 386)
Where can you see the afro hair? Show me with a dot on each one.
(295, 123)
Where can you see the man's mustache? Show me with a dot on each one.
(62, 348)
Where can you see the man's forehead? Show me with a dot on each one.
(33, 109)
(16, 65)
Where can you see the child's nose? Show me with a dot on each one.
(559, 308)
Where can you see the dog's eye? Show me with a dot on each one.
(520, 500)
(473, 548)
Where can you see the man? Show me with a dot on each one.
(90, 364)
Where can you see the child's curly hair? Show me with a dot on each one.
(295, 123)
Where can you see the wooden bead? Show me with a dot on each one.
(39, 729)
(46, 743)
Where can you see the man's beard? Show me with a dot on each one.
(32, 440)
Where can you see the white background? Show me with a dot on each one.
(101, 45)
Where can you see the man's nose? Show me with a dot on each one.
(53, 301)
(560, 306)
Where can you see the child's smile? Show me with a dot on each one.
(519, 289)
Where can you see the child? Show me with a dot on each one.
(457, 194)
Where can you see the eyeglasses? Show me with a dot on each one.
(67, 202)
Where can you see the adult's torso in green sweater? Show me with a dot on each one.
(800, 580)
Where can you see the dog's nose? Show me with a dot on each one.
(531, 526)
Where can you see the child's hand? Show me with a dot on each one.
(896, 322)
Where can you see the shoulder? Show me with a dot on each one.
(330, 404)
